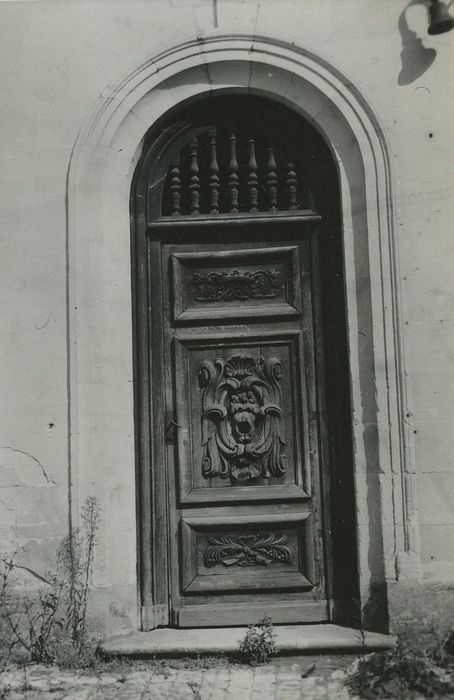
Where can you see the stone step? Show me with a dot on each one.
(290, 639)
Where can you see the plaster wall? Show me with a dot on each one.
(57, 60)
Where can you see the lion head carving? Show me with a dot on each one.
(243, 409)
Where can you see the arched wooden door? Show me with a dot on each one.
(235, 439)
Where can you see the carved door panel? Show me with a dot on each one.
(243, 427)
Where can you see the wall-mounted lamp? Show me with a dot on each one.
(440, 19)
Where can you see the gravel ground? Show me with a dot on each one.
(307, 678)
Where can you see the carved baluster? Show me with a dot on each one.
(234, 180)
(292, 185)
(271, 180)
(214, 177)
(175, 188)
(253, 178)
(194, 180)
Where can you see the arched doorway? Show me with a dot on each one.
(245, 489)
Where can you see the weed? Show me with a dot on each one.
(259, 643)
(420, 664)
(75, 562)
(399, 674)
(52, 623)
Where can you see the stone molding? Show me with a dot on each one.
(99, 303)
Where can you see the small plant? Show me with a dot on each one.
(420, 665)
(53, 622)
(259, 643)
(75, 563)
(399, 674)
(29, 624)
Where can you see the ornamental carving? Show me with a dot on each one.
(247, 550)
(243, 431)
(237, 285)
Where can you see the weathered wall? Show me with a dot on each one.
(57, 60)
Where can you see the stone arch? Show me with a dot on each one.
(99, 297)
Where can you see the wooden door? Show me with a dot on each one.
(236, 445)
(242, 427)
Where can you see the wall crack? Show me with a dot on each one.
(23, 452)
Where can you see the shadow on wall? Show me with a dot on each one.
(415, 57)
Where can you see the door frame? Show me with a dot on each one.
(148, 230)
(100, 374)
(156, 495)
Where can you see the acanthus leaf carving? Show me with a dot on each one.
(243, 430)
(247, 550)
(237, 285)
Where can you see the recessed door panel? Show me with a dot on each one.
(241, 419)
(236, 284)
(246, 553)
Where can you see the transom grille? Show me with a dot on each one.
(221, 171)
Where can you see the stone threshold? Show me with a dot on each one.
(290, 639)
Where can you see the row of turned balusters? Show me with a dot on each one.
(233, 180)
